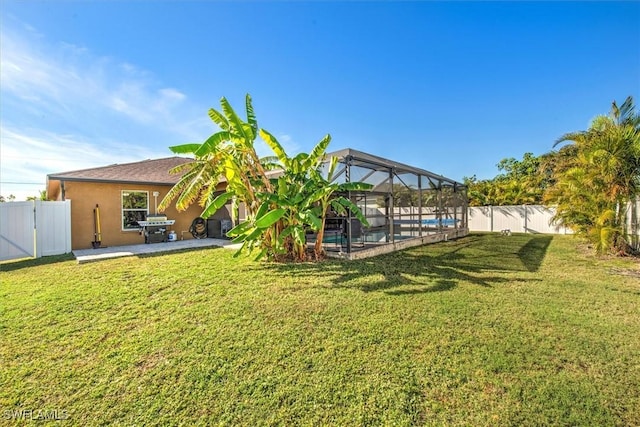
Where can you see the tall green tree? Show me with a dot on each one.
(521, 182)
(599, 177)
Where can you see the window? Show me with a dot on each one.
(135, 207)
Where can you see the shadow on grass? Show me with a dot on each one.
(532, 253)
(483, 260)
(34, 262)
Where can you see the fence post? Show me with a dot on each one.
(67, 204)
(37, 207)
(633, 230)
(491, 218)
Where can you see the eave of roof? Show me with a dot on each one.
(146, 172)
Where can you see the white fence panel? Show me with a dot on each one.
(633, 228)
(518, 219)
(480, 218)
(53, 228)
(509, 218)
(16, 230)
(34, 229)
(539, 220)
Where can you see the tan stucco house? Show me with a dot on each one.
(125, 193)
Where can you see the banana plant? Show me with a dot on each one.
(227, 155)
(280, 210)
(307, 195)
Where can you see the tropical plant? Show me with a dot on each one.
(521, 182)
(599, 177)
(284, 196)
(42, 195)
(226, 168)
(303, 194)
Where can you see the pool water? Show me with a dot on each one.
(449, 222)
(369, 237)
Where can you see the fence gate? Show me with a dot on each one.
(34, 229)
(17, 230)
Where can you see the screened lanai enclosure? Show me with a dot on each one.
(407, 206)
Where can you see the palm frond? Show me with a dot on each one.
(185, 148)
(235, 123)
(251, 117)
(219, 119)
(318, 152)
(275, 146)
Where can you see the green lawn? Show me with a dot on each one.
(487, 330)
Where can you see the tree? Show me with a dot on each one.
(522, 182)
(280, 207)
(598, 176)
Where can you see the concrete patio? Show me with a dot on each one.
(91, 255)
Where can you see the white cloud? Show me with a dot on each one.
(28, 155)
(65, 108)
(70, 77)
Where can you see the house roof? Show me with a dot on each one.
(152, 171)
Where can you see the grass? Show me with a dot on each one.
(487, 330)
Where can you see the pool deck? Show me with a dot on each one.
(92, 255)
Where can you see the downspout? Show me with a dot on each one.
(62, 190)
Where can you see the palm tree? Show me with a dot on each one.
(602, 176)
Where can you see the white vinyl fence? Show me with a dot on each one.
(633, 223)
(537, 219)
(39, 228)
(518, 219)
(34, 229)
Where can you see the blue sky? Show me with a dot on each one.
(451, 87)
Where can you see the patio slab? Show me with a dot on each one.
(92, 255)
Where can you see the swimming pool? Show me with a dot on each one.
(449, 222)
(378, 236)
